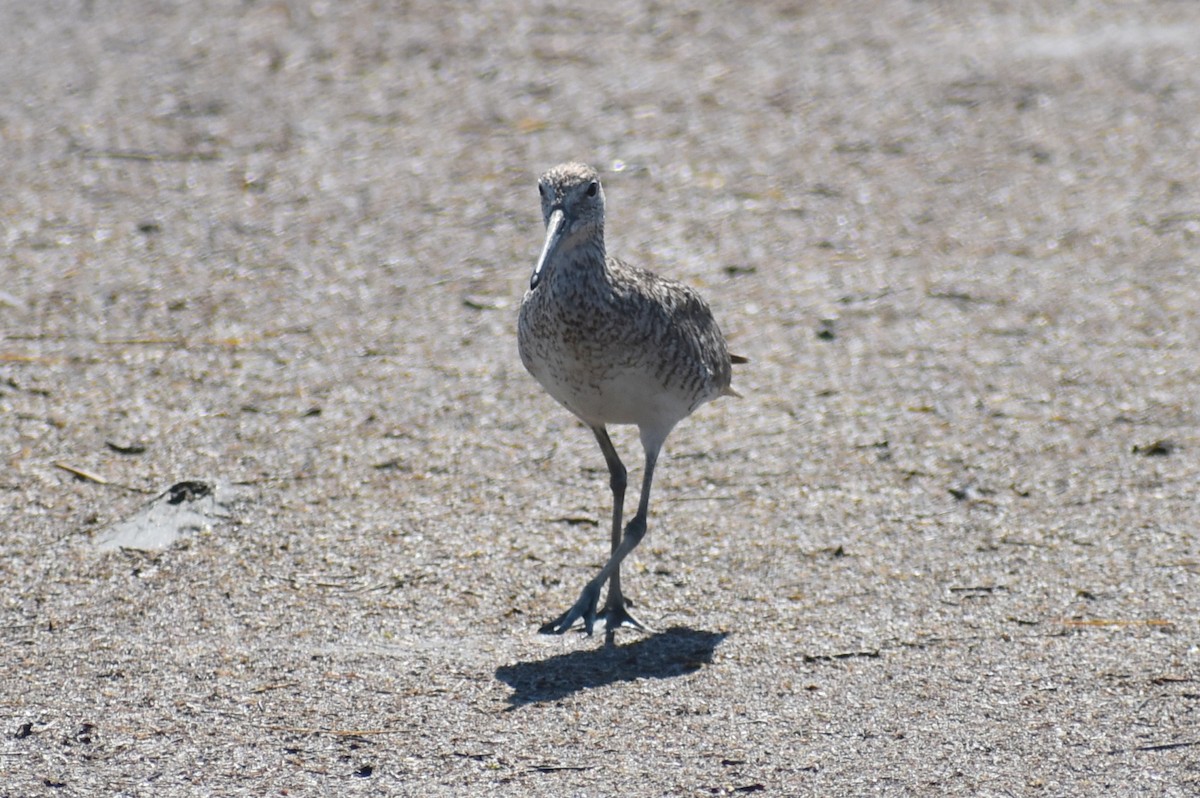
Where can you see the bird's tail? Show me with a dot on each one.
(736, 360)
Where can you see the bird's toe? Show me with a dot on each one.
(618, 615)
(584, 608)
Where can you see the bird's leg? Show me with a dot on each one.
(617, 481)
(585, 608)
(616, 612)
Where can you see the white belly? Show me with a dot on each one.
(618, 397)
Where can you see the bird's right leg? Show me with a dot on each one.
(616, 612)
(585, 608)
(617, 481)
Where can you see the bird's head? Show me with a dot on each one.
(573, 209)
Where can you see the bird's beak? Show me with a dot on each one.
(554, 236)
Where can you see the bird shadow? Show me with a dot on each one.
(664, 655)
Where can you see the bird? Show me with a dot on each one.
(614, 344)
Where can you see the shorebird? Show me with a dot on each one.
(614, 344)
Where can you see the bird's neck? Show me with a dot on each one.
(584, 260)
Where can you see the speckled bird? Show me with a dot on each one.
(614, 344)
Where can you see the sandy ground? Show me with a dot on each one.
(946, 544)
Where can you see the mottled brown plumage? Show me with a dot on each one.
(614, 344)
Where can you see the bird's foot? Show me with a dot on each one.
(584, 608)
(617, 614)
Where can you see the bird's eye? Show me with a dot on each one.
(541, 190)
(593, 187)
